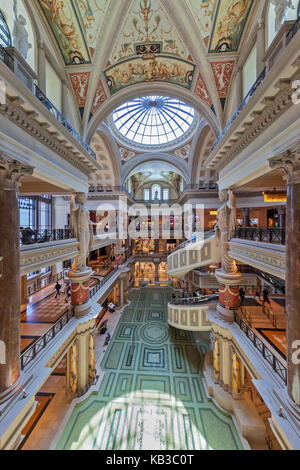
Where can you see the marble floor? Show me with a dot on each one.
(152, 394)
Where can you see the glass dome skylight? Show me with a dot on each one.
(153, 120)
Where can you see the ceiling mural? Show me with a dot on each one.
(223, 73)
(229, 23)
(202, 92)
(203, 12)
(126, 154)
(65, 25)
(92, 14)
(147, 30)
(99, 98)
(157, 68)
(76, 25)
(80, 83)
(184, 151)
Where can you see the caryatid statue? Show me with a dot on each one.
(20, 35)
(226, 228)
(82, 227)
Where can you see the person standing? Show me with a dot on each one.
(266, 298)
(242, 295)
(68, 293)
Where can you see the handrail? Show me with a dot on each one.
(268, 235)
(41, 284)
(29, 236)
(195, 300)
(293, 31)
(32, 351)
(272, 360)
(102, 282)
(207, 235)
(253, 89)
(8, 60)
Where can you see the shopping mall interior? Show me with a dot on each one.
(150, 225)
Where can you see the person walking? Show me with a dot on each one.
(57, 288)
(68, 293)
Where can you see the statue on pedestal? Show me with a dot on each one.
(281, 9)
(20, 35)
(83, 230)
(226, 229)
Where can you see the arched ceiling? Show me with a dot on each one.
(109, 45)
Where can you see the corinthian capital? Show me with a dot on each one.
(11, 172)
(289, 162)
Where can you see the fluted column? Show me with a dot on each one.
(10, 174)
(290, 163)
(246, 217)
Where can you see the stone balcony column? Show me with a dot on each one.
(10, 175)
(290, 163)
(260, 47)
(41, 66)
(282, 216)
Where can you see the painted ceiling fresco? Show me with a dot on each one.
(147, 25)
(203, 12)
(76, 25)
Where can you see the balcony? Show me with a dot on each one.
(267, 235)
(267, 101)
(190, 313)
(29, 108)
(29, 236)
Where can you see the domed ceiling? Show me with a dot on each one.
(109, 45)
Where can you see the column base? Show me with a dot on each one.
(80, 292)
(228, 294)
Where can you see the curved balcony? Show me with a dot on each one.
(194, 254)
(190, 313)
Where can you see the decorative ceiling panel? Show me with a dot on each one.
(203, 13)
(229, 23)
(147, 29)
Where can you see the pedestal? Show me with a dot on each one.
(228, 294)
(80, 291)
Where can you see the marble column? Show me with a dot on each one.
(282, 216)
(10, 174)
(246, 217)
(238, 88)
(290, 163)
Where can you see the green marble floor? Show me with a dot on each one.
(152, 395)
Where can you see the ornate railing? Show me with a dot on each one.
(240, 108)
(293, 31)
(268, 235)
(199, 187)
(9, 61)
(273, 361)
(32, 351)
(109, 189)
(194, 300)
(29, 236)
(195, 240)
(102, 282)
(42, 283)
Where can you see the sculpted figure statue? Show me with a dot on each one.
(281, 9)
(20, 35)
(83, 230)
(226, 228)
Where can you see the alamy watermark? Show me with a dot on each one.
(2, 353)
(296, 94)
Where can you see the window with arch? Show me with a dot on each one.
(156, 192)
(5, 38)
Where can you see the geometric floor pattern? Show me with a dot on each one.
(152, 395)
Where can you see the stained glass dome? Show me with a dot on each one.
(153, 120)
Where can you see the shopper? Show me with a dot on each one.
(57, 288)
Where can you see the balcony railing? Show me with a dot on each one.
(276, 365)
(267, 235)
(41, 283)
(293, 31)
(195, 300)
(102, 282)
(30, 237)
(30, 353)
(9, 61)
(201, 186)
(196, 239)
